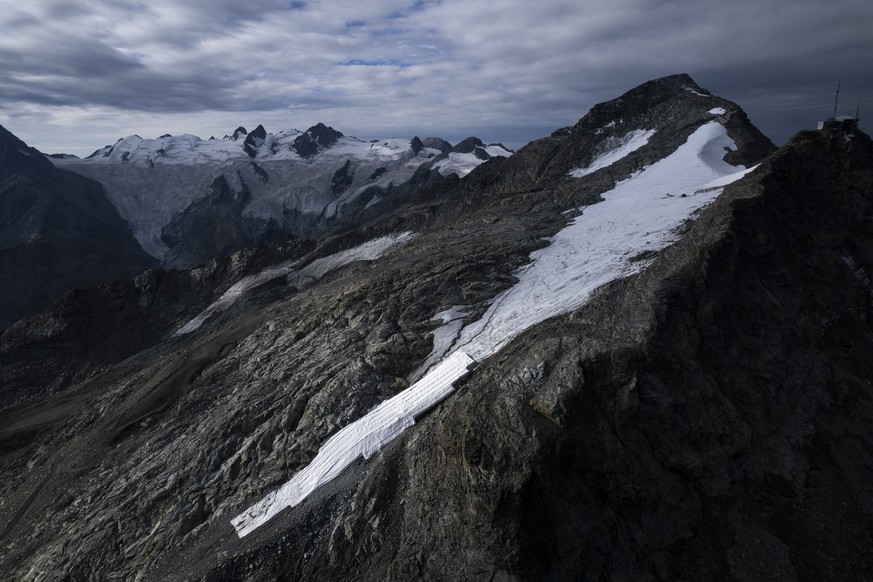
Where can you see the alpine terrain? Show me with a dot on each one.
(639, 349)
(189, 200)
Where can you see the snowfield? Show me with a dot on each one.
(616, 149)
(315, 270)
(639, 214)
(463, 164)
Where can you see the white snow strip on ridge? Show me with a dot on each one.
(618, 148)
(495, 151)
(367, 251)
(639, 214)
(443, 337)
(363, 437)
(717, 111)
(725, 180)
(236, 290)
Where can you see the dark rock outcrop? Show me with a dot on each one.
(672, 107)
(254, 140)
(315, 139)
(342, 178)
(57, 231)
(416, 145)
(437, 143)
(216, 226)
(472, 145)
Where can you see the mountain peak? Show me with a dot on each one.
(15, 154)
(670, 108)
(437, 143)
(315, 139)
(254, 140)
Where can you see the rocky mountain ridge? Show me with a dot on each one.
(58, 231)
(703, 412)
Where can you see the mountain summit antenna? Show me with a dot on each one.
(844, 122)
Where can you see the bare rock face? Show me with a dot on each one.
(254, 140)
(706, 417)
(314, 139)
(57, 231)
(437, 143)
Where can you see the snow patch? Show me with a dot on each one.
(616, 149)
(725, 180)
(717, 111)
(457, 163)
(695, 92)
(463, 164)
(367, 251)
(444, 337)
(495, 151)
(235, 292)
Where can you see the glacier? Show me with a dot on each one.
(152, 180)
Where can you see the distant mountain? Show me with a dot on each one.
(189, 200)
(637, 349)
(58, 231)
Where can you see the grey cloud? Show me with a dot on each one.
(510, 72)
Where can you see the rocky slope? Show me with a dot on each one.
(57, 231)
(704, 414)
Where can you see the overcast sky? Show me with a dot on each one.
(79, 74)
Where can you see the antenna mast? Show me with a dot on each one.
(836, 99)
(858, 110)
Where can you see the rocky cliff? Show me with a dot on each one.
(58, 231)
(703, 413)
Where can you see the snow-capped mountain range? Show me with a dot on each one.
(264, 186)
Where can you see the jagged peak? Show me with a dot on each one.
(315, 139)
(437, 143)
(14, 153)
(467, 145)
(259, 132)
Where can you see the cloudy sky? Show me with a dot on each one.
(78, 74)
